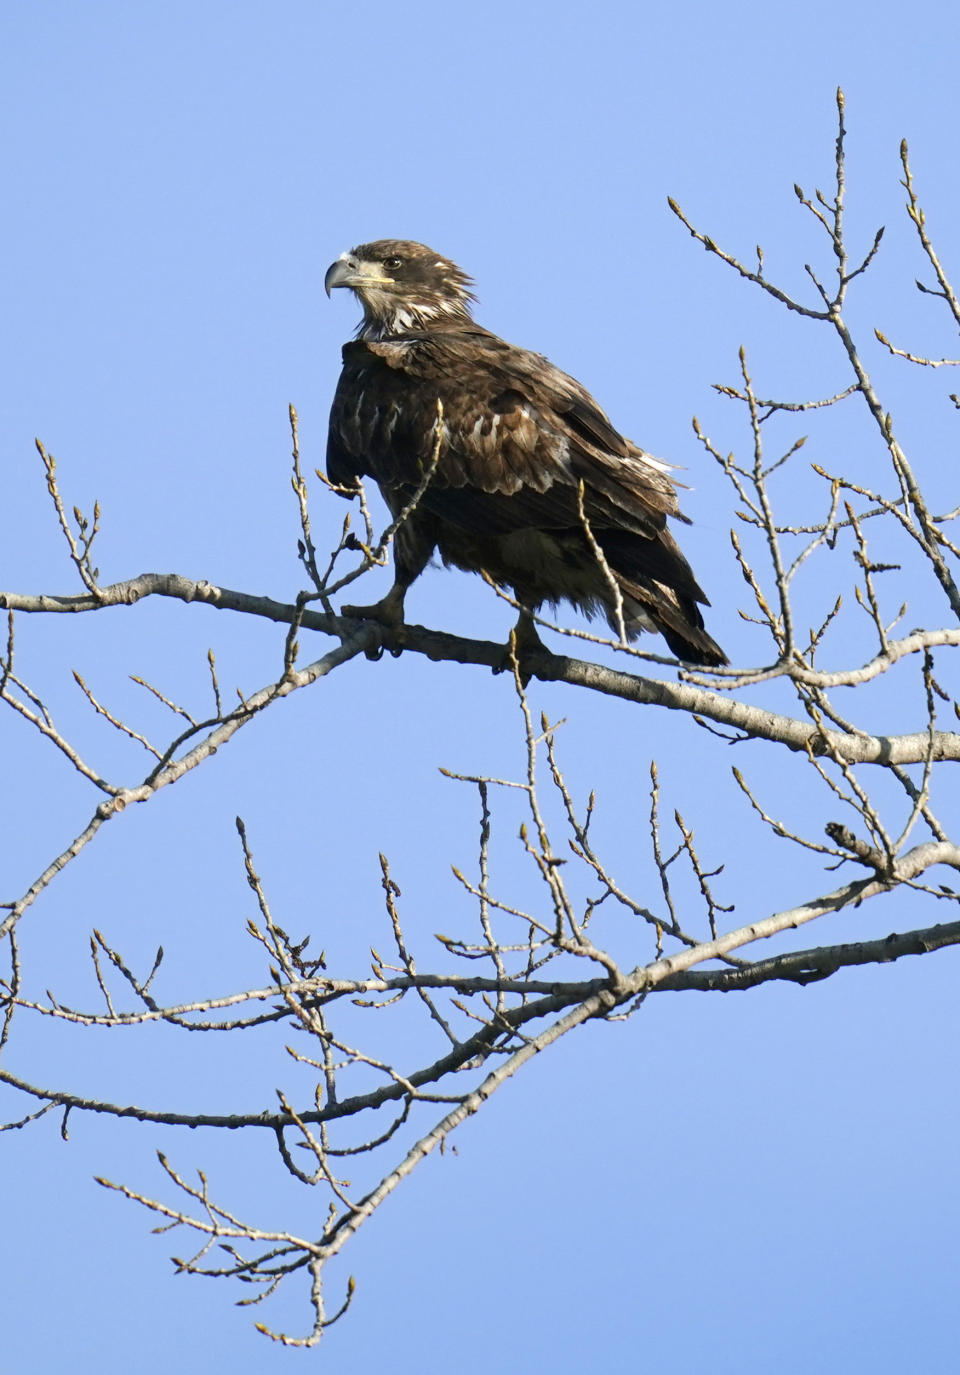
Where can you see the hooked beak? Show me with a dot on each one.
(348, 271)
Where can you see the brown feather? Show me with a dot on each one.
(519, 437)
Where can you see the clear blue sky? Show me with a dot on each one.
(755, 1183)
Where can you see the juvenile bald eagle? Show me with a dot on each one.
(518, 439)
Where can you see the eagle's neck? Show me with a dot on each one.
(386, 317)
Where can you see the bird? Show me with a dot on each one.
(499, 462)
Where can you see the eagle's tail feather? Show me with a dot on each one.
(694, 646)
(676, 616)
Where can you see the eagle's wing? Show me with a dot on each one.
(519, 438)
(514, 425)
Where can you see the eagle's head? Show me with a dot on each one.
(402, 286)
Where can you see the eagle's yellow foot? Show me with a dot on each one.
(388, 610)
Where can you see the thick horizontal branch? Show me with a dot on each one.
(810, 966)
(755, 722)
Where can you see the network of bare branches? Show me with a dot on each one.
(527, 972)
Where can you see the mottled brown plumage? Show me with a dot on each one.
(519, 437)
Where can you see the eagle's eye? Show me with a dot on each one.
(393, 264)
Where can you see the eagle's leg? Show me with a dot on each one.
(524, 642)
(413, 545)
(525, 636)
